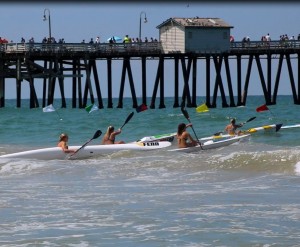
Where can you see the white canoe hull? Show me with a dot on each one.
(265, 127)
(86, 152)
(211, 144)
(291, 126)
(171, 136)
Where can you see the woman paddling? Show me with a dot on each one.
(63, 143)
(231, 128)
(184, 138)
(110, 136)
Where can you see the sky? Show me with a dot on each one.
(85, 20)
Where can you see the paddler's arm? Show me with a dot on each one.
(191, 139)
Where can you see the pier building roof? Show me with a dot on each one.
(197, 22)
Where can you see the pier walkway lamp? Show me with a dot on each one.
(145, 21)
(49, 21)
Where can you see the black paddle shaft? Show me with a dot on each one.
(96, 135)
(250, 119)
(127, 119)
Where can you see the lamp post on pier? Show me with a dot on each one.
(145, 21)
(49, 21)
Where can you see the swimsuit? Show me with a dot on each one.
(112, 140)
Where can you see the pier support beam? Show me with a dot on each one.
(262, 80)
(194, 82)
(176, 82)
(218, 82)
(186, 89)
(159, 80)
(277, 79)
(162, 84)
(109, 84)
(97, 84)
(288, 61)
(2, 85)
(298, 66)
(88, 86)
(240, 98)
(230, 90)
(207, 58)
(144, 81)
(245, 92)
(126, 67)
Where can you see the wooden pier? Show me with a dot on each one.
(50, 64)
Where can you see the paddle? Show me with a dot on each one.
(127, 119)
(185, 113)
(96, 135)
(249, 120)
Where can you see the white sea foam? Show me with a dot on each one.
(297, 168)
(19, 167)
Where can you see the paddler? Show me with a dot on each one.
(110, 136)
(63, 143)
(183, 137)
(231, 128)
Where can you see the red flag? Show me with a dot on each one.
(142, 107)
(262, 108)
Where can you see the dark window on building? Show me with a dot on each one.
(225, 35)
(190, 35)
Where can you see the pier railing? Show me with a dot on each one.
(105, 48)
(132, 48)
(269, 45)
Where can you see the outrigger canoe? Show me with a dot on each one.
(211, 144)
(170, 136)
(91, 151)
(270, 127)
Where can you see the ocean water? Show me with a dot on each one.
(246, 194)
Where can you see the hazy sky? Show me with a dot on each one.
(84, 20)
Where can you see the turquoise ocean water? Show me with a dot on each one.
(240, 195)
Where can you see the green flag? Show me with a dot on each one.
(91, 108)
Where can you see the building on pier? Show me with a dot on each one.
(200, 35)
